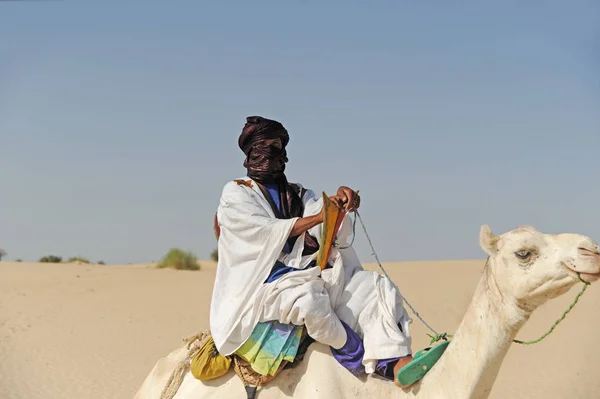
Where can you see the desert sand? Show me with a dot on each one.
(94, 332)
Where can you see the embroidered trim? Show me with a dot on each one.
(241, 182)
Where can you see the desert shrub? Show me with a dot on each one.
(179, 259)
(101, 263)
(214, 255)
(50, 259)
(2, 253)
(78, 259)
(19, 260)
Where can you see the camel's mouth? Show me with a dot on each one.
(587, 277)
(590, 277)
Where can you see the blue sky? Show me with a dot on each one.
(119, 120)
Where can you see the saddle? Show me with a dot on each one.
(253, 380)
(206, 363)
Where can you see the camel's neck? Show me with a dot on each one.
(471, 363)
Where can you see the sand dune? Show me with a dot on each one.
(94, 332)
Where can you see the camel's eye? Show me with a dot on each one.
(523, 254)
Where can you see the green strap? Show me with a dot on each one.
(535, 341)
(439, 337)
(444, 336)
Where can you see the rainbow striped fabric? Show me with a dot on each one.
(270, 344)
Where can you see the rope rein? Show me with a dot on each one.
(535, 341)
(444, 336)
(436, 336)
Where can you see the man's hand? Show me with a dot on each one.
(346, 199)
(337, 202)
(350, 200)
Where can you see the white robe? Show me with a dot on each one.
(251, 241)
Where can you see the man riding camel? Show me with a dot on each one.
(268, 288)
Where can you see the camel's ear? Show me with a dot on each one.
(487, 240)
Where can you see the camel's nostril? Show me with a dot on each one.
(589, 251)
(591, 254)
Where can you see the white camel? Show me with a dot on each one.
(525, 268)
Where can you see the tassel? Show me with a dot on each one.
(251, 391)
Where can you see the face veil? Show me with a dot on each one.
(263, 141)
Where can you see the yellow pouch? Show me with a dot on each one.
(208, 363)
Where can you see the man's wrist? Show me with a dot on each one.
(318, 218)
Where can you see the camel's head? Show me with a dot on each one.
(533, 267)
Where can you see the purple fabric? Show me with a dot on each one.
(385, 367)
(351, 354)
(273, 191)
